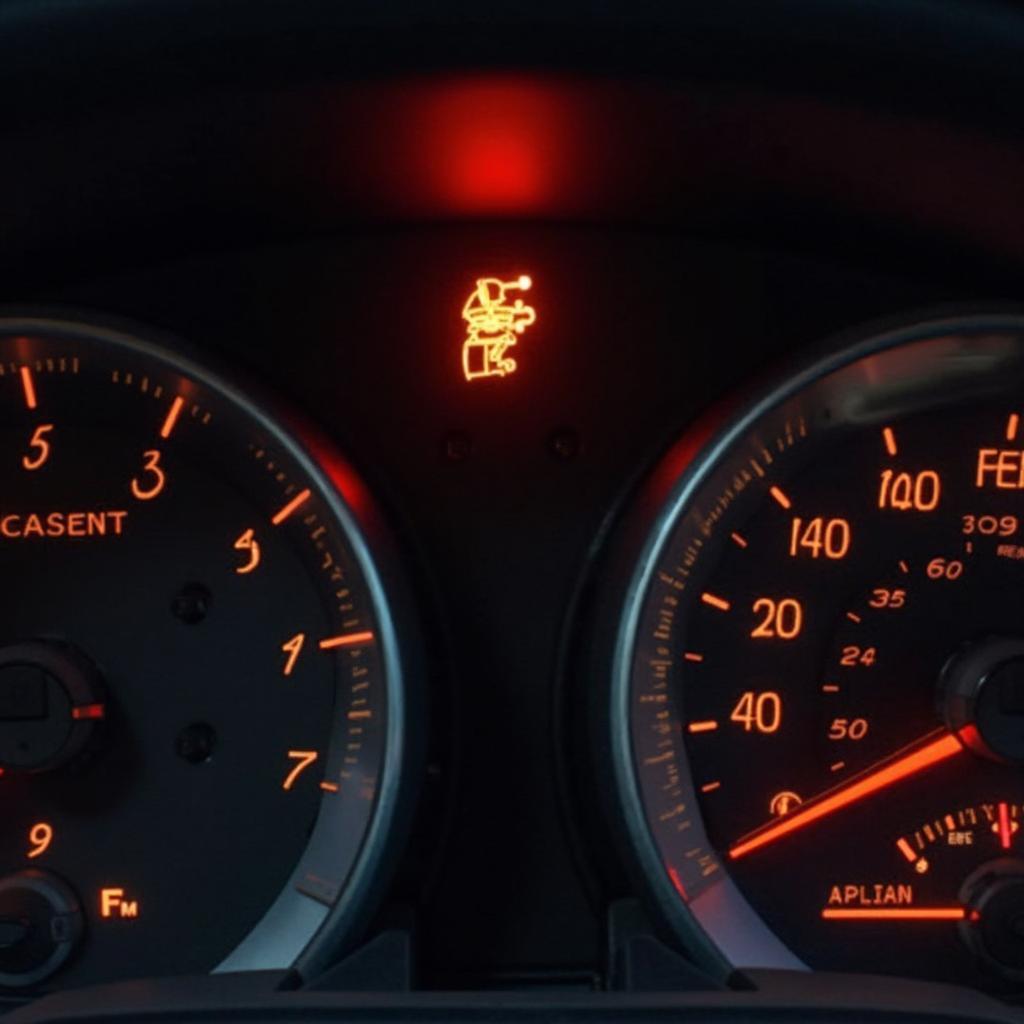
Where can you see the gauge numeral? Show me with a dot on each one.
(848, 729)
(758, 712)
(782, 619)
(39, 448)
(248, 544)
(293, 648)
(919, 492)
(944, 569)
(853, 656)
(40, 836)
(883, 597)
(819, 537)
(146, 490)
(989, 526)
(303, 759)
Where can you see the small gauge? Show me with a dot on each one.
(817, 705)
(202, 674)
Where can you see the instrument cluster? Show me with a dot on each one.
(502, 577)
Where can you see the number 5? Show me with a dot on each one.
(40, 446)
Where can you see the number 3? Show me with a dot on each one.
(152, 466)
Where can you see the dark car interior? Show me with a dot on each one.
(511, 511)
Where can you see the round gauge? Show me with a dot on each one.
(201, 689)
(818, 685)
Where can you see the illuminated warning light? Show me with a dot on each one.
(494, 322)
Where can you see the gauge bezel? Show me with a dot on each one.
(643, 536)
(298, 932)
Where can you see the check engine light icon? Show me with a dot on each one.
(494, 322)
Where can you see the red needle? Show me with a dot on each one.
(902, 765)
(1005, 828)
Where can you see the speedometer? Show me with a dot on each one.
(818, 686)
(202, 696)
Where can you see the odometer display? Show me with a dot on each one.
(819, 691)
(200, 687)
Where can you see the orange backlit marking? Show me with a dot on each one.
(329, 787)
(347, 640)
(853, 617)
(40, 836)
(901, 914)
(28, 386)
(710, 726)
(303, 759)
(906, 491)
(1005, 827)
(293, 648)
(780, 497)
(738, 540)
(900, 767)
(890, 440)
(710, 787)
(40, 446)
(693, 656)
(715, 602)
(114, 904)
(297, 502)
(1001, 468)
(1011, 427)
(158, 477)
(906, 849)
(830, 688)
(904, 567)
(357, 716)
(249, 544)
(63, 524)
(493, 325)
(172, 417)
(819, 536)
(88, 712)
(950, 823)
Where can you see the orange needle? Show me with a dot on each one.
(901, 766)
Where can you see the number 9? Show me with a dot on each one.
(40, 836)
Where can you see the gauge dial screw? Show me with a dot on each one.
(457, 446)
(192, 604)
(196, 743)
(564, 444)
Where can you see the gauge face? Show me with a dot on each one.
(199, 682)
(819, 691)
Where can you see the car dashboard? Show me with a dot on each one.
(511, 514)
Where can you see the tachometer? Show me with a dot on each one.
(818, 694)
(202, 701)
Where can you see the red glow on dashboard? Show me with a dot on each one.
(486, 146)
(677, 882)
(342, 475)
